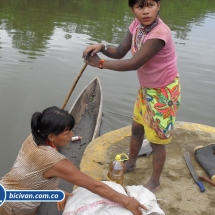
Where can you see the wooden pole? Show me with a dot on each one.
(73, 87)
(203, 178)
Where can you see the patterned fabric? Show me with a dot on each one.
(18, 208)
(156, 108)
(27, 174)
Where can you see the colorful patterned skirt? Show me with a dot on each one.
(155, 109)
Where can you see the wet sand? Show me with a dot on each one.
(179, 194)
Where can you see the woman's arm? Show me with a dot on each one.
(112, 52)
(149, 49)
(67, 171)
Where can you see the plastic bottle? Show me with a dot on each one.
(116, 170)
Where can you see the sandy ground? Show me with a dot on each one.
(179, 194)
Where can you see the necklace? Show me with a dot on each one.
(49, 144)
(140, 34)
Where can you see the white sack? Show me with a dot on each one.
(84, 202)
(145, 197)
(145, 149)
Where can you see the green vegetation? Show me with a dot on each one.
(30, 23)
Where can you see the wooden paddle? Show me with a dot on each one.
(203, 178)
(73, 87)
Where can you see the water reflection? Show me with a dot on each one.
(30, 23)
(40, 53)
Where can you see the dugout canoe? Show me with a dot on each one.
(87, 111)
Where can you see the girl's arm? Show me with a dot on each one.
(67, 171)
(112, 52)
(121, 50)
(149, 49)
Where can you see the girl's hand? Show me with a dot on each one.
(92, 50)
(61, 205)
(93, 60)
(134, 206)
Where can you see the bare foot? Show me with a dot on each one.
(153, 186)
(129, 166)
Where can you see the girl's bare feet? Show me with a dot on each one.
(153, 186)
(129, 166)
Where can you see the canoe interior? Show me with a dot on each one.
(87, 111)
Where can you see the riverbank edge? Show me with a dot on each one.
(93, 159)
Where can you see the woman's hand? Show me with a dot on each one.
(92, 50)
(61, 205)
(66, 170)
(93, 60)
(134, 206)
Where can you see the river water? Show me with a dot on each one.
(41, 45)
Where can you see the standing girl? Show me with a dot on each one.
(158, 98)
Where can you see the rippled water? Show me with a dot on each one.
(41, 49)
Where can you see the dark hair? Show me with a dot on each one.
(131, 3)
(52, 120)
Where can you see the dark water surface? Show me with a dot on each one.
(41, 45)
